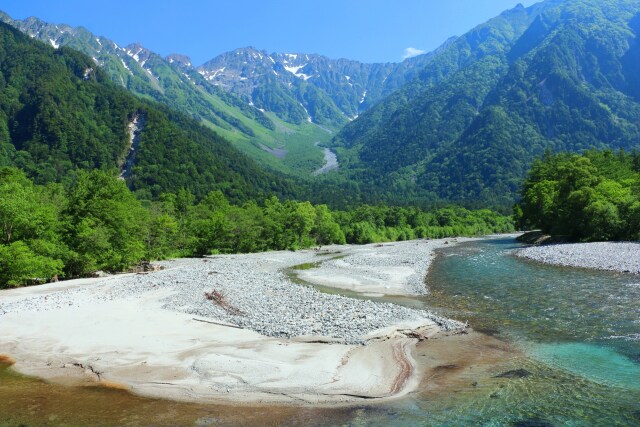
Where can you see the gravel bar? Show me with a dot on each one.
(258, 295)
(611, 256)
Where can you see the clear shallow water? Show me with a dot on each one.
(578, 328)
(578, 331)
(525, 300)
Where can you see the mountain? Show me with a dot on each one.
(280, 109)
(302, 87)
(559, 76)
(175, 82)
(59, 112)
(140, 70)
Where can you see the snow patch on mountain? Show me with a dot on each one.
(136, 55)
(210, 75)
(294, 71)
(126, 66)
(54, 44)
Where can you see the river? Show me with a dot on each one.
(576, 360)
(330, 162)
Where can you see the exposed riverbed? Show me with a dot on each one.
(330, 162)
(226, 328)
(562, 349)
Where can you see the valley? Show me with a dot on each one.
(459, 124)
(268, 235)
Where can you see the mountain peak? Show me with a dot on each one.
(182, 60)
(138, 52)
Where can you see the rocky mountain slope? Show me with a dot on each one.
(175, 82)
(311, 87)
(560, 75)
(59, 112)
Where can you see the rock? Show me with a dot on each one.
(532, 422)
(516, 373)
(99, 273)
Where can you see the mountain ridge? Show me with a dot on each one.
(148, 75)
(291, 115)
(550, 76)
(60, 114)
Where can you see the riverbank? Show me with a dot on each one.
(256, 337)
(622, 257)
(376, 270)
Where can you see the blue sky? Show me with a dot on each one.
(365, 30)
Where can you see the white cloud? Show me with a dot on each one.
(412, 51)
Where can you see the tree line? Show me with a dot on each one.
(96, 223)
(586, 197)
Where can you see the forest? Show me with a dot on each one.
(593, 196)
(95, 223)
(469, 127)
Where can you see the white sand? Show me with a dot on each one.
(134, 342)
(397, 268)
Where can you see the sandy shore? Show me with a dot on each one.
(374, 270)
(610, 256)
(269, 341)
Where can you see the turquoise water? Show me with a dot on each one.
(577, 330)
(572, 359)
(526, 300)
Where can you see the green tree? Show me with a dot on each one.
(107, 224)
(592, 196)
(326, 230)
(30, 226)
(19, 265)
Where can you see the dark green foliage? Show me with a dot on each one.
(272, 97)
(59, 113)
(55, 117)
(105, 224)
(31, 250)
(369, 224)
(560, 75)
(590, 197)
(175, 152)
(216, 226)
(98, 224)
(321, 108)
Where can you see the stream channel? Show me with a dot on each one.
(577, 361)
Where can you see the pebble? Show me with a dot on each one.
(262, 296)
(611, 256)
